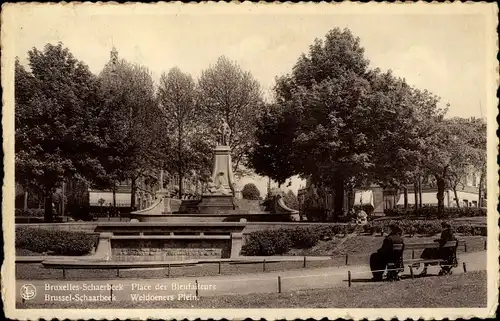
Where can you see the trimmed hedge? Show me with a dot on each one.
(280, 241)
(267, 242)
(422, 227)
(30, 212)
(55, 242)
(432, 211)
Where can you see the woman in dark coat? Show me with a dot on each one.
(385, 255)
(439, 253)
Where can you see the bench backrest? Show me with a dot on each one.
(451, 244)
(397, 247)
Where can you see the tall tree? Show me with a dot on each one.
(455, 150)
(135, 131)
(227, 92)
(350, 126)
(185, 125)
(57, 121)
(274, 147)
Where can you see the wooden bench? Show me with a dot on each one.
(417, 262)
(395, 267)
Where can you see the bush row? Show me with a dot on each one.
(422, 227)
(30, 212)
(55, 242)
(432, 211)
(280, 241)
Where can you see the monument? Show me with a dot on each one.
(220, 192)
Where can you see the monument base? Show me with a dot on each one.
(216, 204)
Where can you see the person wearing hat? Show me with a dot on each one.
(386, 254)
(441, 252)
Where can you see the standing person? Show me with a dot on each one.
(447, 235)
(386, 254)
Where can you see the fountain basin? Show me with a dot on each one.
(159, 241)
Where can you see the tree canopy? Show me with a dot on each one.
(57, 124)
(227, 92)
(341, 124)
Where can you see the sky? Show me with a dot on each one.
(443, 51)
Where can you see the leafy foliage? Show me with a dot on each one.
(189, 150)
(227, 92)
(55, 242)
(30, 212)
(250, 192)
(267, 242)
(291, 200)
(433, 211)
(57, 129)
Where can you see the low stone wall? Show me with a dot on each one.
(89, 227)
(169, 250)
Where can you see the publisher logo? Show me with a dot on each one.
(28, 291)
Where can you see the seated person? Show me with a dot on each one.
(386, 254)
(440, 253)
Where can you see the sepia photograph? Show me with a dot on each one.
(233, 160)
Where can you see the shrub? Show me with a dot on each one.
(55, 242)
(279, 241)
(30, 212)
(250, 192)
(425, 227)
(432, 211)
(302, 238)
(267, 242)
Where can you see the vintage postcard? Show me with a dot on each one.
(250, 160)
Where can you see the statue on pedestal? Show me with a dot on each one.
(217, 187)
(224, 132)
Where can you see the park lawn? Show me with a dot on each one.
(467, 290)
(358, 249)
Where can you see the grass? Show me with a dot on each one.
(359, 249)
(464, 290)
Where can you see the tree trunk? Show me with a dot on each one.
(405, 195)
(480, 192)
(133, 190)
(25, 206)
(48, 215)
(181, 183)
(440, 195)
(456, 196)
(415, 192)
(114, 198)
(338, 206)
(420, 192)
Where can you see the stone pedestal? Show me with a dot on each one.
(103, 251)
(236, 244)
(222, 172)
(215, 204)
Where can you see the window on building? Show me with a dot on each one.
(466, 203)
(474, 203)
(474, 180)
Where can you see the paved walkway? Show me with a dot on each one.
(264, 282)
